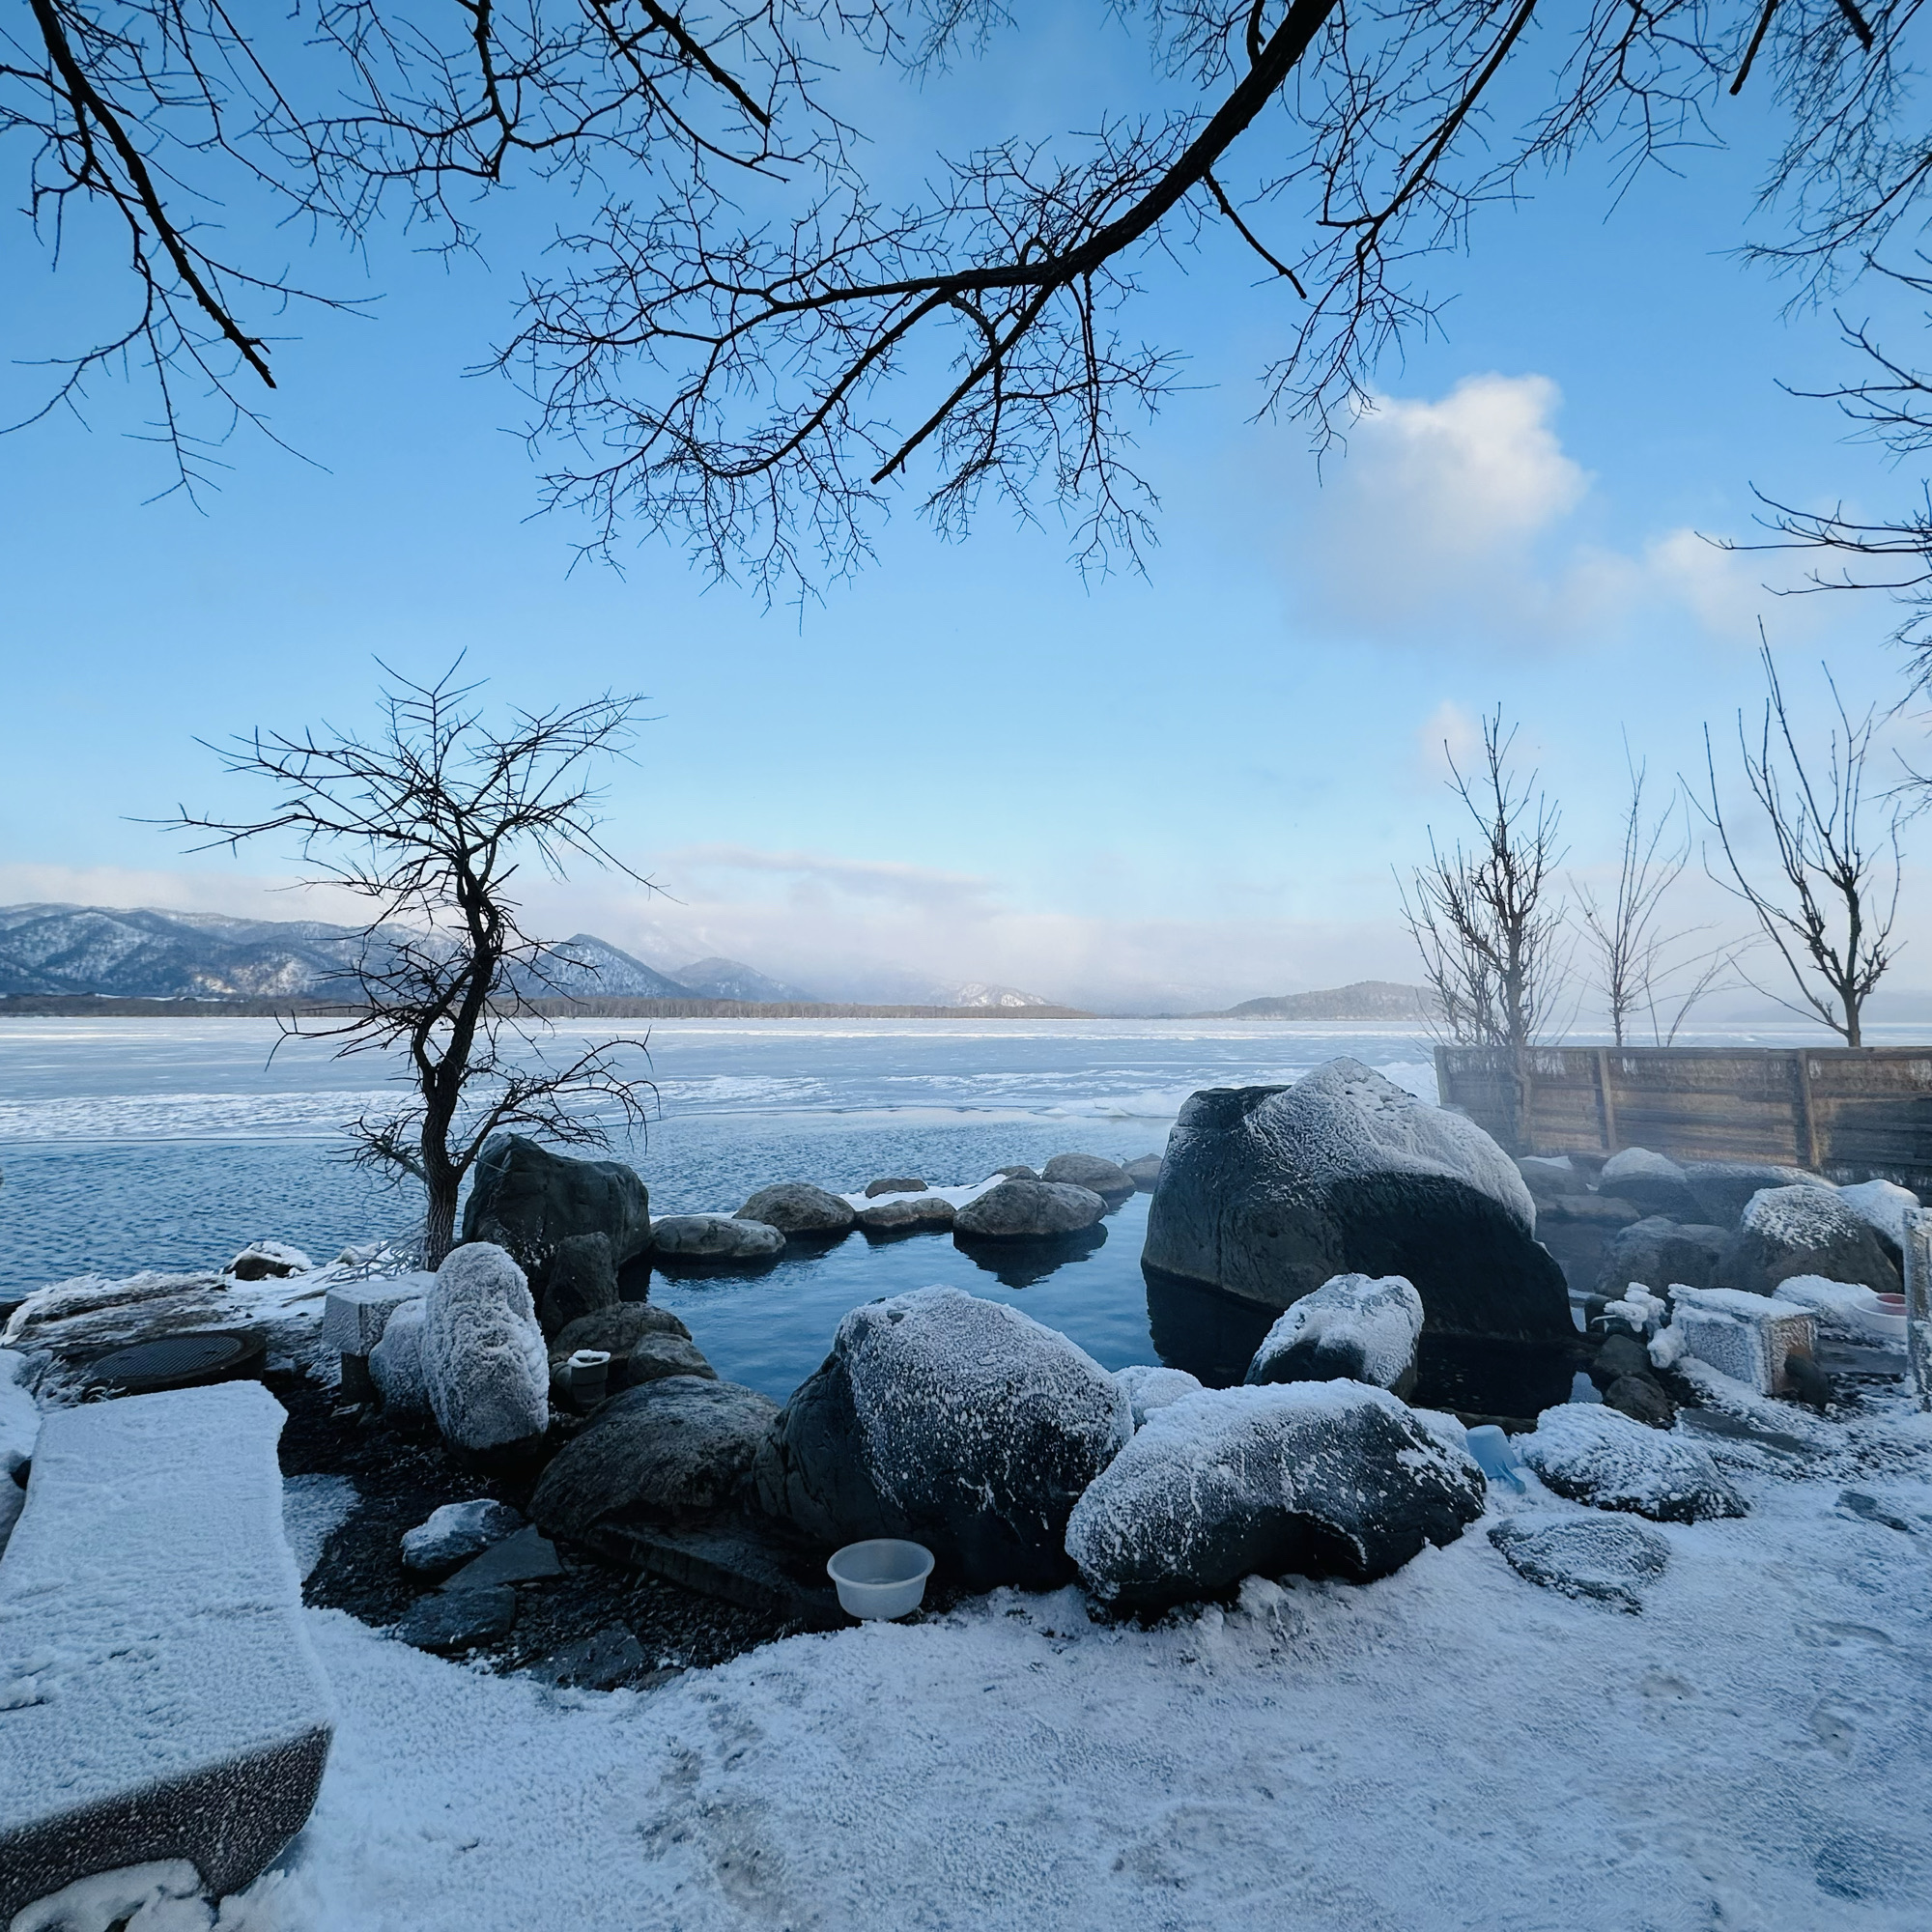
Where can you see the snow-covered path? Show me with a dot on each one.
(1452, 1748)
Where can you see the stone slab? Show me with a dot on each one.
(357, 1312)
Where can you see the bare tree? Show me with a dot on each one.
(745, 340)
(1641, 964)
(430, 822)
(1832, 897)
(1482, 915)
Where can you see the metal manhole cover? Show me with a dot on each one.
(177, 1361)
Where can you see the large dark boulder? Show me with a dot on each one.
(1660, 1254)
(798, 1208)
(1326, 1479)
(580, 1279)
(1028, 1210)
(676, 1448)
(1266, 1192)
(1722, 1188)
(1594, 1453)
(632, 1332)
(1107, 1179)
(1801, 1230)
(955, 1422)
(528, 1200)
(721, 1240)
(1653, 1182)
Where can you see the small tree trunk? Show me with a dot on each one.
(439, 1220)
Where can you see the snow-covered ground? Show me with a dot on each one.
(1451, 1747)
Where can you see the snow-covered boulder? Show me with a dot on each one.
(958, 1422)
(1353, 1329)
(1607, 1558)
(1788, 1231)
(671, 1449)
(268, 1261)
(1652, 1181)
(158, 1696)
(1107, 1179)
(483, 1354)
(19, 1425)
(450, 1536)
(1150, 1387)
(1722, 1187)
(526, 1199)
(355, 1313)
(1656, 1252)
(1266, 1192)
(1750, 1338)
(396, 1361)
(1597, 1455)
(721, 1238)
(798, 1208)
(1846, 1308)
(1029, 1210)
(1883, 1207)
(1320, 1478)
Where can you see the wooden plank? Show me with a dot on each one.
(1606, 1105)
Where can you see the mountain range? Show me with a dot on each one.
(144, 953)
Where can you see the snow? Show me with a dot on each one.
(1797, 1217)
(483, 1356)
(1366, 1324)
(355, 1313)
(1150, 1387)
(396, 1361)
(313, 1508)
(967, 1191)
(1883, 1204)
(151, 1620)
(1747, 1337)
(1638, 1164)
(1644, 1311)
(278, 1255)
(456, 1532)
(19, 1417)
(1600, 1456)
(1449, 1750)
(1847, 1307)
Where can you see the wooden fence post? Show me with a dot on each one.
(1606, 1106)
(1918, 1304)
(1806, 1122)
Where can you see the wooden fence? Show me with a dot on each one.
(1850, 1113)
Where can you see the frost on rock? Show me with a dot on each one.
(953, 1421)
(1267, 1192)
(1652, 1181)
(396, 1361)
(164, 1896)
(1352, 1328)
(1748, 1337)
(1600, 1557)
(1596, 1455)
(1789, 1230)
(1320, 1478)
(483, 1354)
(267, 1260)
(1150, 1387)
(162, 1698)
(450, 1536)
(1846, 1307)
(1884, 1205)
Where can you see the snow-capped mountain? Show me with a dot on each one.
(718, 979)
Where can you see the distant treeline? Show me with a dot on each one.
(81, 1007)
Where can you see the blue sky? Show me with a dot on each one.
(1179, 788)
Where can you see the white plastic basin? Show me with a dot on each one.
(880, 1578)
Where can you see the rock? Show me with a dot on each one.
(1654, 1183)
(956, 1422)
(1351, 1328)
(1722, 1187)
(527, 1556)
(1578, 1228)
(396, 1362)
(355, 1313)
(1793, 1231)
(797, 1207)
(894, 1183)
(1593, 1556)
(1029, 1210)
(1551, 1177)
(1844, 1308)
(449, 1621)
(268, 1261)
(1805, 1380)
(914, 1214)
(450, 1536)
(1018, 1171)
(581, 1278)
(1266, 1192)
(1620, 1355)
(650, 1358)
(1319, 1478)
(1107, 1179)
(601, 1661)
(483, 1354)
(671, 1449)
(1594, 1453)
(1748, 1337)
(1885, 1208)
(624, 1331)
(1144, 1170)
(526, 1200)
(1641, 1397)
(714, 1237)
(1149, 1387)
(1660, 1254)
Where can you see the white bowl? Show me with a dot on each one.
(881, 1578)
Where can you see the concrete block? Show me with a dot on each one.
(1748, 1337)
(355, 1314)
